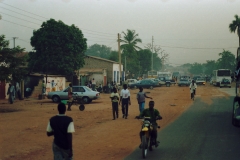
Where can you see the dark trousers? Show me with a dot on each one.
(115, 109)
(125, 107)
(192, 94)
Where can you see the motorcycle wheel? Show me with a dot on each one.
(144, 146)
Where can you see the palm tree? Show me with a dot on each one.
(235, 25)
(130, 48)
(130, 40)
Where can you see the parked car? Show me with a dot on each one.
(130, 81)
(165, 81)
(184, 82)
(225, 83)
(145, 83)
(201, 81)
(86, 93)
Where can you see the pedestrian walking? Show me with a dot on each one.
(115, 99)
(141, 99)
(125, 100)
(193, 88)
(61, 127)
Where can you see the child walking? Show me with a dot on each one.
(114, 98)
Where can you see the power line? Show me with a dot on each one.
(190, 47)
(22, 14)
(20, 18)
(23, 10)
(17, 24)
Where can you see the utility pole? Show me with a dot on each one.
(119, 58)
(14, 41)
(152, 55)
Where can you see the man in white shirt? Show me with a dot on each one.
(125, 100)
(193, 88)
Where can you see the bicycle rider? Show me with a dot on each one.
(154, 115)
(193, 87)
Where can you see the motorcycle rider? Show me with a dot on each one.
(154, 115)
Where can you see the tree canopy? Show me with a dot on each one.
(58, 48)
(99, 51)
(12, 64)
(235, 26)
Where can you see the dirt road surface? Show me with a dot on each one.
(97, 137)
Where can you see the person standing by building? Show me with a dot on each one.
(61, 127)
(70, 97)
(115, 99)
(11, 93)
(43, 87)
(141, 99)
(125, 100)
(18, 91)
(93, 84)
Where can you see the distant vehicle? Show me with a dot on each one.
(167, 75)
(225, 83)
(86, 93)
(184, 82)
(220, 74)
(165, 81)
(152, 74)
(145, 83)
(196, 77)
(200, 81)
(129, 81)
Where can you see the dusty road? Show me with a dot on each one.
(97, 137)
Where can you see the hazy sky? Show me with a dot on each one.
(188, 30)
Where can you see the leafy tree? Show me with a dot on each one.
(11, 65)
(59, 48)
(114, 56)
(209, 66)
(144, 61)
(196, 68)
(227, 60)
(129, 49)
(159, 57)
(99, 51)
(235, 26)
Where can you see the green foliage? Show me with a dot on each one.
(235, 26)
(129, 49)
(144, 61)
(11, 65)
(196, 68)
(227, 61)
(209, 67)
(114, 56)
(59, 48)
(99, 51)
(157, 62)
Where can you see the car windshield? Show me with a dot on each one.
(88, 89)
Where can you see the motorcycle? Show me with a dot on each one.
(147, 140)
